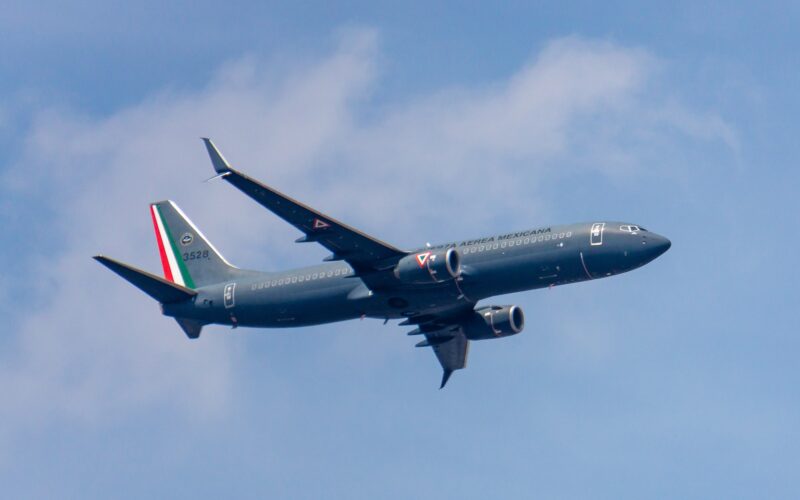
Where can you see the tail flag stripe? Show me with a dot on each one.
(169, 251)
(184, 272)
(161, 252)
(178, 271)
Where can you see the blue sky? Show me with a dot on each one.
(420, 123)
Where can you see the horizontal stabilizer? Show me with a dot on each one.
(158, 288)
(190, 327)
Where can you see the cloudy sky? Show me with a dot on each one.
(425, 123)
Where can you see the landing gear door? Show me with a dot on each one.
(228, 295)
(596, 234)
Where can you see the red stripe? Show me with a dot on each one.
(161, 251)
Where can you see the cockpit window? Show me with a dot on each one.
(630, 228)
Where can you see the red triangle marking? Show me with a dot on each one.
(320, 224)
(422, 258)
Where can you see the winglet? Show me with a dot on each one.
(221, 165)
(445, 377)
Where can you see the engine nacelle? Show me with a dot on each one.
(429, 267)
(494, 322)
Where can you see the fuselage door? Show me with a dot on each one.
(596, 234)
(228, 295)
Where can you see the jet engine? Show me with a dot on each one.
(429, 267)
(494, 322)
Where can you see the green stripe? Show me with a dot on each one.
(187, 278)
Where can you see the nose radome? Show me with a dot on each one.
(660, 244)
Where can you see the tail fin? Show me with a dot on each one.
(187, 256)
(160, 289)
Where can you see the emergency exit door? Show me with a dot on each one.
(596, 234)
(228, 295)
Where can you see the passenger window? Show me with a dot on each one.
(503, 244)
(527, 240)
(496, 246)
(480, 248)
(314, 276)
(294, 279)
(280, 282)
(330, 274)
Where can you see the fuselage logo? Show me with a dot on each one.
(422, 258)
(187, 239)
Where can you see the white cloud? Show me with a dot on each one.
(98, 347)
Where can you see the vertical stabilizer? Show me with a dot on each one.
(187, 257)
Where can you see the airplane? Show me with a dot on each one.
(436, 289)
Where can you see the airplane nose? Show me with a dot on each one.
(659, 244)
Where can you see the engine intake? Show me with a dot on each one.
(429, 267)
(494, 322)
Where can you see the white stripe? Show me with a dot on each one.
(588, 274)
(177, 277)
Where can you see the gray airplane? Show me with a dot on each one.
(435, 289)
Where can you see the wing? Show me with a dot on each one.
(363, 252)
(444, 333)
(451, 353)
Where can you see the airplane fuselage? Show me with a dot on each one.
(437, 289)
(493, 265)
